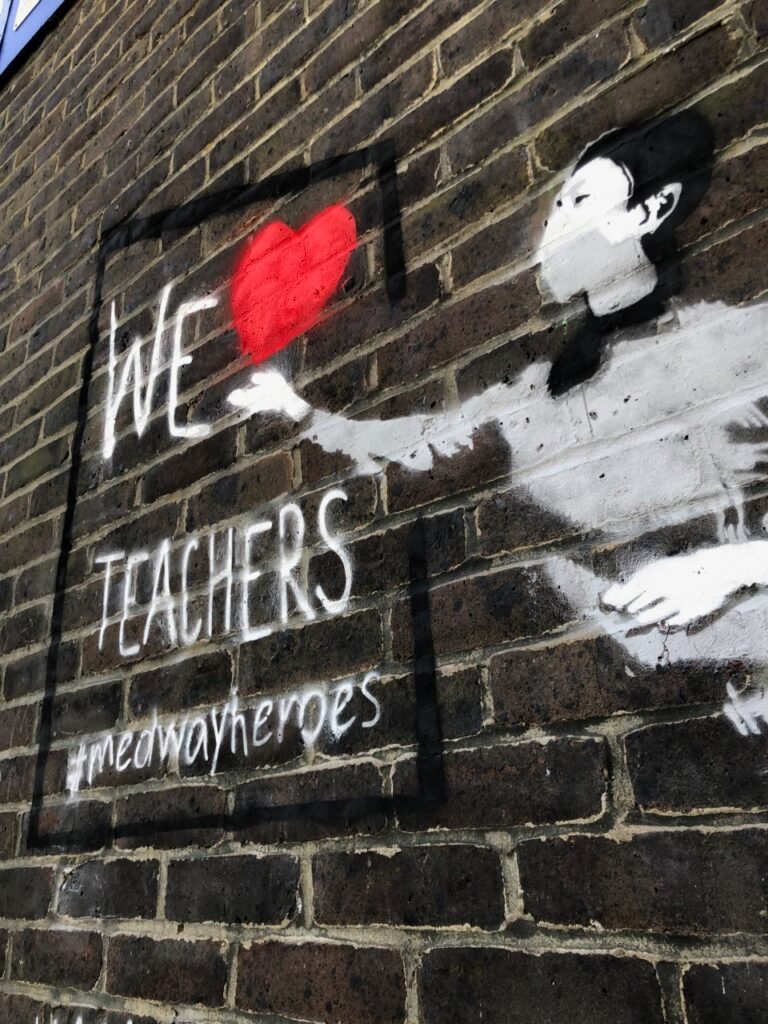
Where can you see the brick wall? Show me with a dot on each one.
(399, 757)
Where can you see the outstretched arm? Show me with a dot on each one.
(678, 590)
(411, 441)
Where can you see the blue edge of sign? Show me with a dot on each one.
(13, 42)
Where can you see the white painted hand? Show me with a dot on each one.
(676, 591)
(269, 391)
(748, 712)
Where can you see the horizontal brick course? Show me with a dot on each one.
(115, 888)
(725, 991)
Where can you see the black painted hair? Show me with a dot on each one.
(655, 154)
(677, 149)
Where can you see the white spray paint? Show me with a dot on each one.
(642, 444)
(169, 609)
(314, 710)
(591, 226)
(132, 375)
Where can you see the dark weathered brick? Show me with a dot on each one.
(455, 327)
(472, 199)
(26, 546)
(81, 826)
(167, 970)
(736, 189)
(322, 981)
(381, 561)
(35, 310)
(503, 986)
(593, 678)
(36, 582)
(305, 42)
(372, 314)
(170, 818)
(291, 136)
(658, 22)
(56, 957)
(374, 20)
(324, 649)
(297, 806)
(17, 726)
(481, 610)
(242, 491)
(25, 628)
(27, 675)
(7, 836)
(409, 887)
(415, 34)
(20, 1009)
(506, 785)
(17, 779)
(688, 883)
(197, 462)
(91, 710)
(25, 892)
(467, 469)
(114, 888)
(494, 22)
(725, 991)
(206, 54)
(734, 264)
(43, 460)
(699, 764)
(558, 29)
(235, 890)
(758, 16)
(666, 81)
(203, 679)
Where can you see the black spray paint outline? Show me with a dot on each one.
(429, 757)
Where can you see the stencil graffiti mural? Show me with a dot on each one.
(648, 414)
(639, 419)
(239, 578)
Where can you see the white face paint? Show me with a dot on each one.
(592, 240)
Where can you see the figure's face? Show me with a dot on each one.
(592, 238)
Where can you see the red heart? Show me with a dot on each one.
(284, 279)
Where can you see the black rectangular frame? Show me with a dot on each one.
(429, 755)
